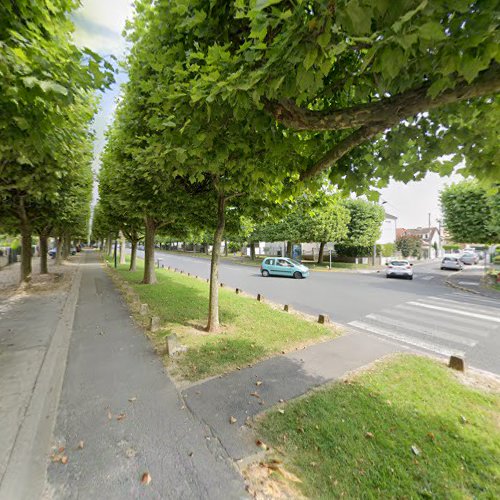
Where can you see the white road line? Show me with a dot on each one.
(455, 311)
(438, 320)
(423, 330)
(466, 305)
(475, 298)
(406, 339)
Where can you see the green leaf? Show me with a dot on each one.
(360, 17)
(432, 30)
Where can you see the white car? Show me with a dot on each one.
(451, 262)
(401, 268)
(469, 258)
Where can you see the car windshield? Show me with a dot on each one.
(296, 262)
(399, 263)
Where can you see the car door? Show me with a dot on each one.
(271, 265)
(284, 268)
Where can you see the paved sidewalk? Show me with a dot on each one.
(118, 400)
(471, 281)
(283, 377)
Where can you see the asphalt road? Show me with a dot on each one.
(424, 313)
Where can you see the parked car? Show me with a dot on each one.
(451, 262)
(401, 268)
(283, 266)
(469, 258)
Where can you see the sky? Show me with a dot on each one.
(99, 25)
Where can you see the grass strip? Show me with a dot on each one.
(250, 331)
(405, 429)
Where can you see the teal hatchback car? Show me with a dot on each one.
(283, 266)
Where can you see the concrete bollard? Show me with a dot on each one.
(457, 363)
(143, 310)
(323, 319)
(238, 291)
(287, 308)
(173, 346)
(208, 281)
(260, 297)
(154, 324)
(222, 285)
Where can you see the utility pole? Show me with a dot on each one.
(430, 232)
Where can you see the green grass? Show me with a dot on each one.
(250, 330)
(336, 266)
(408, 401)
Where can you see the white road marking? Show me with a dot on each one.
(470, 283)
(455, 311)
(406, 339)
(475, 298)
(423, 330)
(464, 305)
(436, 319)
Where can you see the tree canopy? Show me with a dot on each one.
(471, 215)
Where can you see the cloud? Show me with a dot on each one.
(99, 25)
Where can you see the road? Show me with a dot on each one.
(424, 313)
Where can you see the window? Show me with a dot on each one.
(270, 262)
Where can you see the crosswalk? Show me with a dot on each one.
(451, 324)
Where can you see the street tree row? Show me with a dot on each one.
(47, 102)
(236, 106)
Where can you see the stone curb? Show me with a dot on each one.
(26, 470)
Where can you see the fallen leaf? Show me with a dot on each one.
(369, 435)
(389, 402)
(80, 445)
(281, 401)
(254, 394)
(130, 453)
(190, 454)
(287, 475)
(121, 416)
(300, 430)
(415, 450)
(431, 435)
(261, 444)
(132, 399)
(110, 415)
(259, 382)
(146, 478)
(463, 419)
(61, 449)
(64, 460)
(232, 420)
(281, 411)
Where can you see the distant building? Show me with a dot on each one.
(388, 229)
(431, 240)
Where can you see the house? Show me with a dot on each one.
(388, 230)
(431, 240)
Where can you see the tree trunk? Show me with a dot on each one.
(59, 245)
(149, 252)
(25, 243)
(133, 255)
(109, 244)
(252, 250)
(213, 307)
(44, 249)
(321, 252)
(122, 248)
(65, 246)
(289, 249)
(225, 248)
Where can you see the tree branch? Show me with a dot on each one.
(392, 109)
(342, 148)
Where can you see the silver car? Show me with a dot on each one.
(450, 262)
(400, 268)
(469, 258)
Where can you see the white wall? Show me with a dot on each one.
(388, 232)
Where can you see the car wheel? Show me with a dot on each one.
(265, 273)
(297, 275)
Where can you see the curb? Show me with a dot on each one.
(26, 470)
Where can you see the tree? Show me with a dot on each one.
(409, 245)
(45, 97)
(364, 227)
(371, 90)
(471, 215)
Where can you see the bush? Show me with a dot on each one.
(387, 249)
